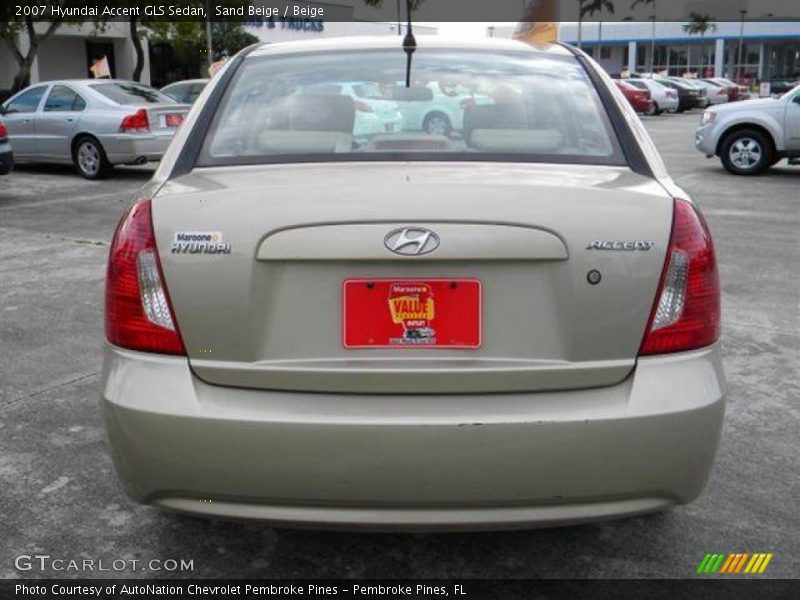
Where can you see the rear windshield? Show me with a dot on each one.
(130, 93)
(461, 105)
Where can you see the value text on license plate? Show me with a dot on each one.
(411, 313)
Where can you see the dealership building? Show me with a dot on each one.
(769, 50)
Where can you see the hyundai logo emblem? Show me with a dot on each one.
(411, 241)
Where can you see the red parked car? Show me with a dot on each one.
(640, 100)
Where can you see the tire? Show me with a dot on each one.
(746, 152)
(437, 123)
(654, 110)
(90, 159)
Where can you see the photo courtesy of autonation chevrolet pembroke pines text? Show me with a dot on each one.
(382, 299)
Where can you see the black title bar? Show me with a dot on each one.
(512, 11)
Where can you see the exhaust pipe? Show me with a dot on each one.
(140, 160)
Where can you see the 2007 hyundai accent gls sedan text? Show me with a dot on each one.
(514, 324)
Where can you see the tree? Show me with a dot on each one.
(137, 48)
(699, 24)
(411, 6)
(187, 39)
(589, 7)
(13, 26)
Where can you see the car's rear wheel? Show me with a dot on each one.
(746, 152)
(90, 159)
(437, 123)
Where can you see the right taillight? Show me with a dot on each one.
(686, 313)
(135, 123)
(139, 315)
(3, 132)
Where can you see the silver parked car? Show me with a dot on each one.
(91, 123)
(511, 328)
(185, 91)
(751, 136)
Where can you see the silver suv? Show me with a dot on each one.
(751, 136)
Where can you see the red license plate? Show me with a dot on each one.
(411, 313)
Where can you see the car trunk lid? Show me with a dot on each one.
(565, 290)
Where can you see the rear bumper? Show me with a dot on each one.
(415, 462)
(6, 159)
(126, 148)
(668, 104)
(642, 105)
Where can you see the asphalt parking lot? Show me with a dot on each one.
(59, 495)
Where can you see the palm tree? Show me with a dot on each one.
(653, 32)
(589, 7)
(699, 24)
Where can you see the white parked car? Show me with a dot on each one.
(751, 136)
(664, 98)
(716, 93)
(444, 112)
(374, 114)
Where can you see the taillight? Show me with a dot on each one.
(3, 132)
(135, 123)
(686, 313)
(362, 106)
(139, 315)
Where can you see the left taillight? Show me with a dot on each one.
(139, 313)
(3, 132)
(686, 312)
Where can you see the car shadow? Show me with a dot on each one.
(140, 172)
(254, 550)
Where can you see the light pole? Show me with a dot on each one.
(742, 12)
(653, 40)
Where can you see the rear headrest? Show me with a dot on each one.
(536, 141)
(313, 112)
(506, 115)
(271, 141)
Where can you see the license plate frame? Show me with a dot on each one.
(422, 313)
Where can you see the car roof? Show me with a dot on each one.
(423, 41)
(86, 81)
(183, 81)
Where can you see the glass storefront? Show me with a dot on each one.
(678, 59)
(781, 59)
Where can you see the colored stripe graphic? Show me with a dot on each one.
(703, 563)
(723, 563)
(728, 563)
(741, 561)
